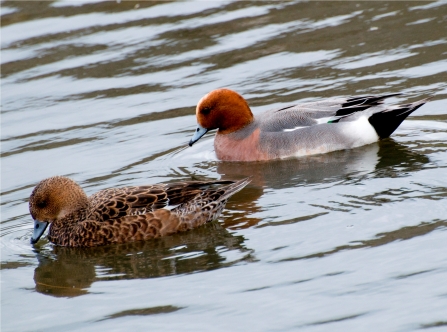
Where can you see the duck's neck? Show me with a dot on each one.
(62, 229)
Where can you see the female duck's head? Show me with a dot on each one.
(51, 200)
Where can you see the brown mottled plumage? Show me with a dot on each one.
(126, 214)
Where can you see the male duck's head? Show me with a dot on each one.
(221, 109)
(53, 199)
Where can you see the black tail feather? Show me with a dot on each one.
(355, 104)
(387, 121)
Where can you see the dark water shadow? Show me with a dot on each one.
(68, 272)
(338, 319)
(402, 234)
(397, 160)
(435, 324)
(144, 312)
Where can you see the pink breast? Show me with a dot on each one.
(231, 149)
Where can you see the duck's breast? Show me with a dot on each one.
(242, 145)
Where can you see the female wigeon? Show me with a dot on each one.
(124, 214)
(295, 130)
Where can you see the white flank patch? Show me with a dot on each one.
(363, 131)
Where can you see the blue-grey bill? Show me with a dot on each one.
(200, 131)
(39, 228)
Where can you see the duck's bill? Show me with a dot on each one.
(39, 228)
(200, 131)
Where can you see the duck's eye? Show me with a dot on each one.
(41, 204)
(206, 110)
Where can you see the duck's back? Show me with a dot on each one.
(119, 202)
(292, 117)
(115, 203)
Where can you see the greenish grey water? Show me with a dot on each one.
(104, 92)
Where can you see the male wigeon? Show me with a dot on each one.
(295, 130)
(124, 214)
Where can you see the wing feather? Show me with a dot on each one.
(308, 114)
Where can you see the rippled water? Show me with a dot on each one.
(104, 92)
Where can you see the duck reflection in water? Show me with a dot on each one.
(375, 160)
(68, 272)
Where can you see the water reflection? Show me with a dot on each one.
(402, 234)
(396, 159)
(68, 272)
(144, 312)
(105, 91)
(385, 159)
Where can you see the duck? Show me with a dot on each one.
(295, 130)
(125, 214)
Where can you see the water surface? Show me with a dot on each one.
(104, 92)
